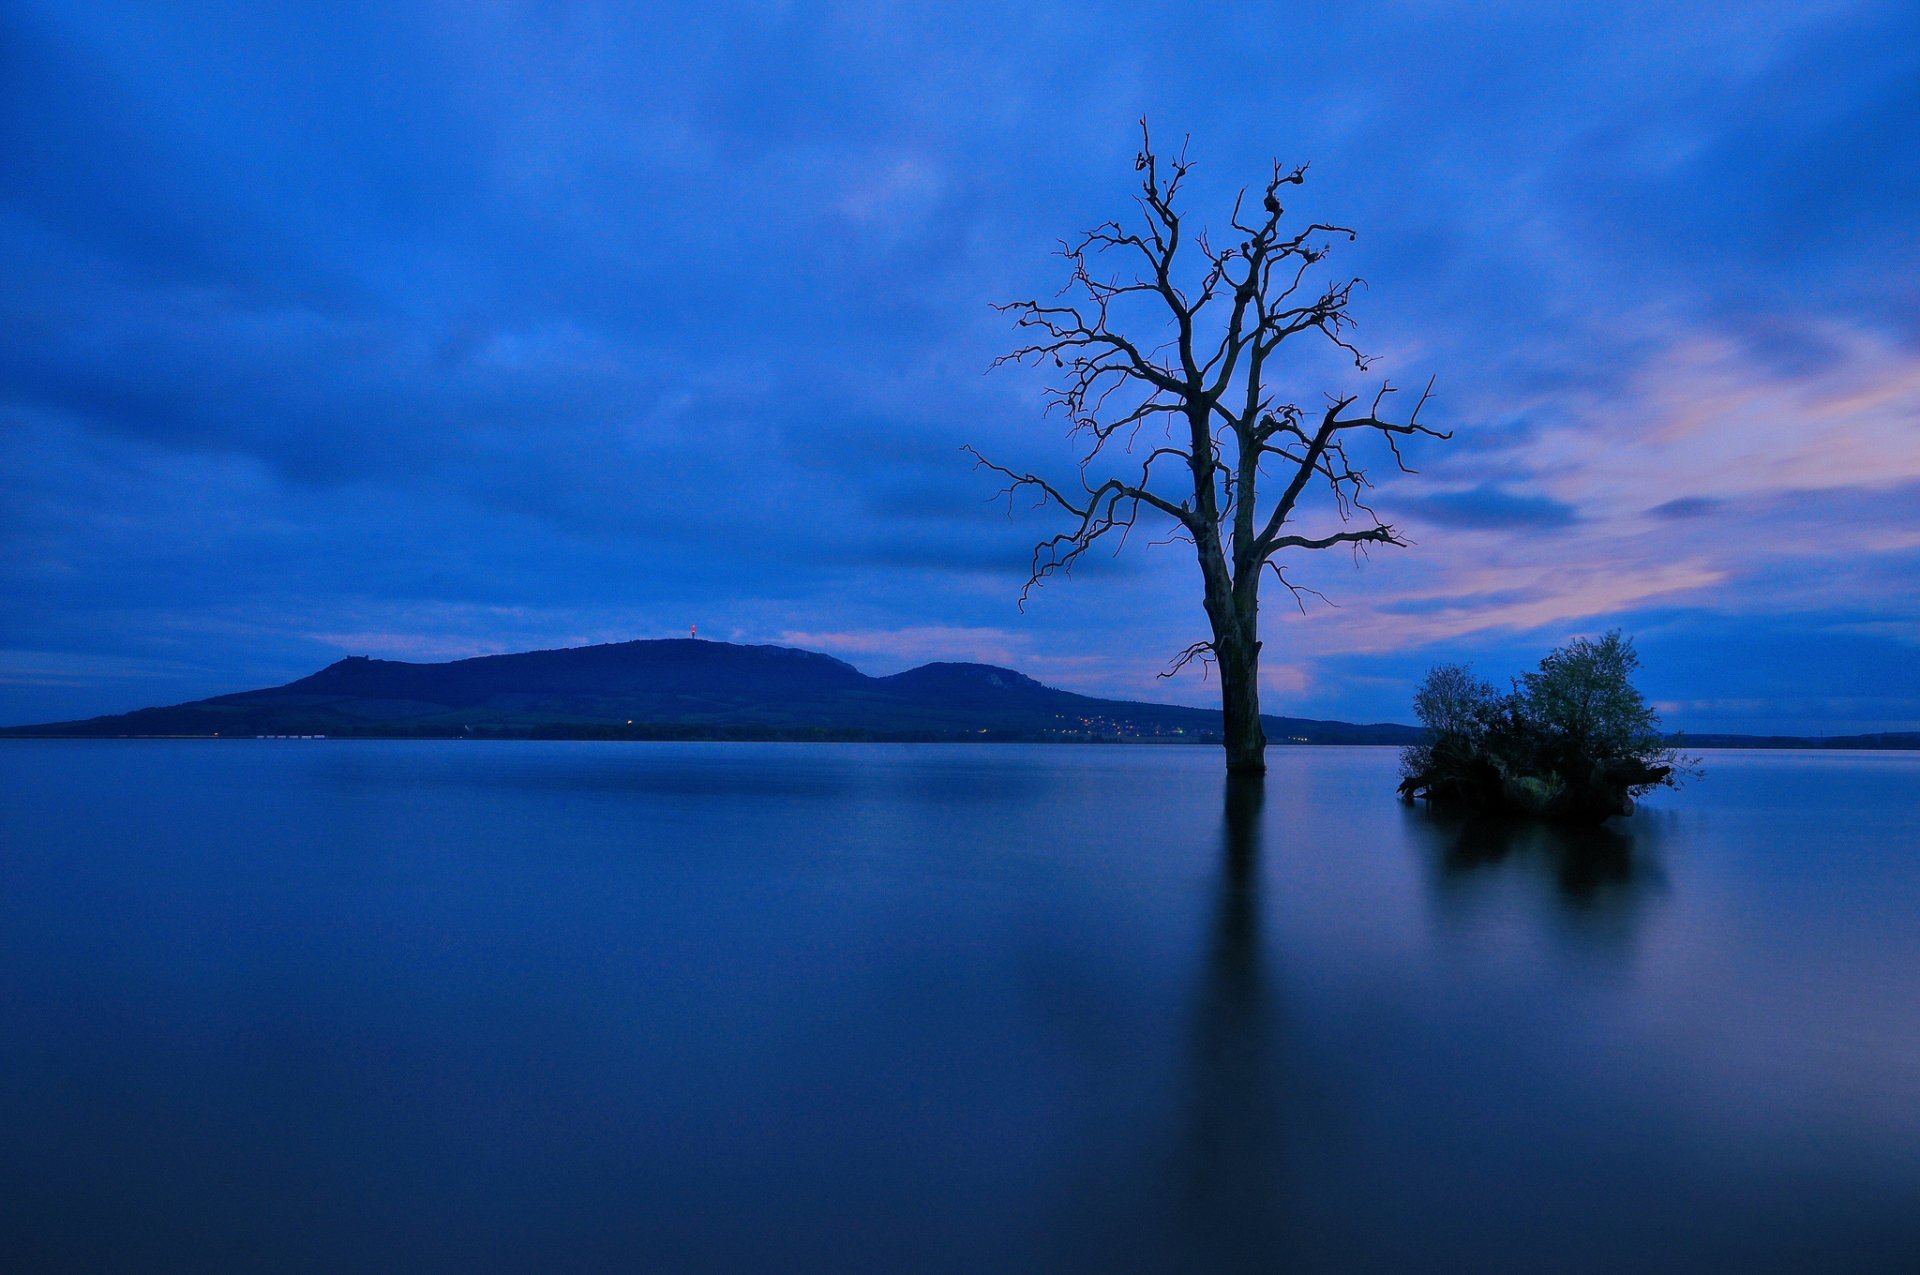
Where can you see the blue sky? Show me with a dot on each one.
(426, 331)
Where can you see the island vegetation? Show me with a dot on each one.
(1573, 741)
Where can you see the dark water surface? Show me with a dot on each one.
(314, 1006)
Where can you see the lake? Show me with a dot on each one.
(360, 1006)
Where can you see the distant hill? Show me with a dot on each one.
(1882, 741)
(685, 689)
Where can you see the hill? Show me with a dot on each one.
(684, 689)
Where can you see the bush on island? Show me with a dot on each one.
(1572, 742)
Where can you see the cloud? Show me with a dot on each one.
(917, 644)
(1705, 419)
(1490, 505)
(1685, 507)
(385, 333)
(1523, 597)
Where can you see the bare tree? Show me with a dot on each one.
(1188, 397)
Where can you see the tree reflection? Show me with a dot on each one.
(1229, 1157)
(1598, 880)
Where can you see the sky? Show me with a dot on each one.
(423, 331)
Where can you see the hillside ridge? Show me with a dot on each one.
(695, 688)
(682, 688)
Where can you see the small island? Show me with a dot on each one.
(1572, 742)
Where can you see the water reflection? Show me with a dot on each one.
(1593, 886)
(1230, 1164)
(493, 1007)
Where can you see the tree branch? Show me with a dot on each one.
(1131, 374)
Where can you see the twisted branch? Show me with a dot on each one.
(1195, 399)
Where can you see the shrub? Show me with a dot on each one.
(1573, 740)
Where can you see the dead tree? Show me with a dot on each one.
(1186, 395)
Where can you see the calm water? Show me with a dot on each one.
(553, 1007)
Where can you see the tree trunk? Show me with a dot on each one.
(1239, 660)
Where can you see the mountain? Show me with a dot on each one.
(684, 689)
(687, 689)
(1880, 741)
